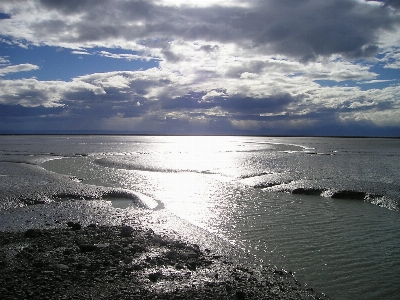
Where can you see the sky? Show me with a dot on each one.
(262, 67)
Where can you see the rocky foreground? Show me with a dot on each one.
(125, 262)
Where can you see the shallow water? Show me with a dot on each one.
(237, 188)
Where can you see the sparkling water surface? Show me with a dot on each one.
(239, 189)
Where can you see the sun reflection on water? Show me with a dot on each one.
(203, 154)
(195, 194)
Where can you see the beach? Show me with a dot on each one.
(61, 239)
(324, 209)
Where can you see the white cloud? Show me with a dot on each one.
(32, 92)
(4, 60)
(377, 81)
(211, 94)
(80, 52)
(392, 58)
(99, 91)
(17, 68)
(121, 56)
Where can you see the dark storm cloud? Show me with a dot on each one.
(209, 48)
(170, 56)
(241, 105)
(393, 3)
(68, 7)
(26, 97)
(254, 67)
(189, 101)
(309, 28)
(13, 111)
(126, 102)
(256, 105)
(135, 109)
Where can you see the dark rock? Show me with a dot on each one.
(178, 245)
(240, 295)
(126, 231)
(33, 233)
(128, 259)
(159, 240)
(190, 254)
(155, 276)
(171, 254)
(192, 266)
(137, 249)
(3, 259)
(87, 248)
(74, 226)
(137, 267)
(38, 263)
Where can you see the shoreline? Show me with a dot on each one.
(113, 253)
(124, 262)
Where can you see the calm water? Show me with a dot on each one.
(240, 189)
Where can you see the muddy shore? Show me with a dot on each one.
(60, 239)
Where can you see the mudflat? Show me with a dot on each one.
(61, 239)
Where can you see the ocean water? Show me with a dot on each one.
(325, 208)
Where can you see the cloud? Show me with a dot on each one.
(391, 58)
(17, 68)
(164, 95)
(243, 65)
(4, 60)
(392, 3)
(80, 52)
(33, 93)
(302, 30)
(377, 81)
(19, 111)
(126, 56)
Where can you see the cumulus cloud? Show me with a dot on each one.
(32, 92)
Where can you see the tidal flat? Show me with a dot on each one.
(62, 239)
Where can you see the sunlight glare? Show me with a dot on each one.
(191, 192)
(203, 154)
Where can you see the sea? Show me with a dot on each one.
(325, 208)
